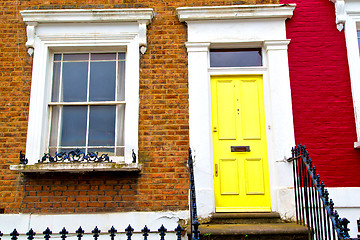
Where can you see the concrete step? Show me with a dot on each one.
(246, 218)
(251, 226)
(262, 231)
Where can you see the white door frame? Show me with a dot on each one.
(233, 27)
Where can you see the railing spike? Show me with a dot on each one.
(319, 182)
(179, 231)
(30, 234)
(112, 232)
(331, 207)
(63, 233)
(326, 196)
(162, 230)
(145, 231)
(80, 233)
(47, 233)
(14, 234)
(95, 233)
(311, 163)
(344, 227)
(129, 232)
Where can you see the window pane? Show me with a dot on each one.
(108, 151)
(102, 81)
(120, 125)
(74, 79)
(76, 57)
(235, 57)
(55, 111)
(56, 82)
(74, 126)
(57, 57)
(121, 85)
(103, 56)
(120, 151)
(102, 126)
(121, 55)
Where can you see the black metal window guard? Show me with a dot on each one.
(95, 233)
(313, 206)
(74, 156)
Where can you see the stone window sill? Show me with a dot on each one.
(76, 167)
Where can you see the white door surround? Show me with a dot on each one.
(244, 26)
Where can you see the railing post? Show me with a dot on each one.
(179, 231)
(112, 232)
(14, 234)
(193, 211)
(162, 230)
(47, 234)
(63, 233)
(80, 233)
(129, 232)
(145, 231)
(96, 233)
(30, 234)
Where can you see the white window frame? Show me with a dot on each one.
(82, 30)
(351, 17)
(60, 103)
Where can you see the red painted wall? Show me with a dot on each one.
(321, 92)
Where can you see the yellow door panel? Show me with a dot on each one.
(250, 114)
(241, 174)
(254, 176)
(228, 172)
(226, 109)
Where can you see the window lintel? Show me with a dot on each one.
(33, 18)
(235, 12)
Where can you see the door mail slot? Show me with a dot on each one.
(240, 148)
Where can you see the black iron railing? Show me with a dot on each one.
(193, 211)
(73, 156)
(95, 233)
(313, 206)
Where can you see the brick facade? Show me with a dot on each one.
(163, 124)
(321, 93)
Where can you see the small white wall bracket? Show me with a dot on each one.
(30, 32)
(340, 13)
(142, 36)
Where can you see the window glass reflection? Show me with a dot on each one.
(74, 120)
(235, 57)
(102, 81)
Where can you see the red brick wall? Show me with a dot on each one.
(321, 93)
(163, 126)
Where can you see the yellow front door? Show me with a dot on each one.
(241, 172)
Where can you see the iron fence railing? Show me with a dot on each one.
(313, 206)
(193, 210)
(80, 234)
